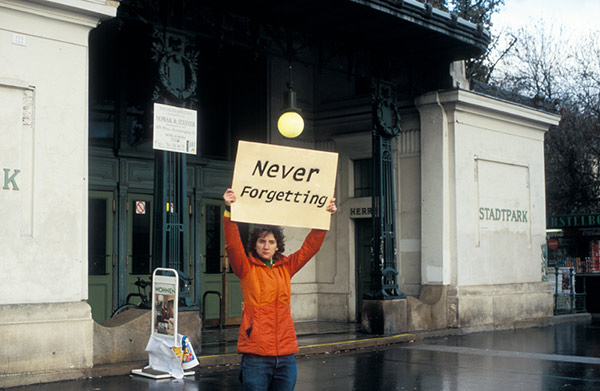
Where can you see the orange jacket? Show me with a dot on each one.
(267, 327)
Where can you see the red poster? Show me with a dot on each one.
(595, 255)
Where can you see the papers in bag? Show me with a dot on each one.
(188, 357)
(185, 353)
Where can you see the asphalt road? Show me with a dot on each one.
(560, 357)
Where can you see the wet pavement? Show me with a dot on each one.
(216, 342)
(564, 356)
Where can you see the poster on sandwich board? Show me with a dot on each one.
(280, 185)
(165, 292)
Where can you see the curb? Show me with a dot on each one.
(334, 347)
(212, 362)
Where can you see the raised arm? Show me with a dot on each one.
(233, 243)
(311, 245)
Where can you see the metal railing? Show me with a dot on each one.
(567, 297)
(203, 310)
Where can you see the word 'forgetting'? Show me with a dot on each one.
(284, 196)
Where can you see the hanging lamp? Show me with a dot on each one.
(290, 123)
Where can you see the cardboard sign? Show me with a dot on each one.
(283, 185)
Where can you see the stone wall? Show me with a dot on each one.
(45, 323)
(483, 307)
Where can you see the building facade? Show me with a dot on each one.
(77, 84)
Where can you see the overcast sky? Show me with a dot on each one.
(575, 16)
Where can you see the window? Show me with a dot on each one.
(363, 177)
(141, 241)
(97, 234)
(213, 239)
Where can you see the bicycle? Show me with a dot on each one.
(145, 302)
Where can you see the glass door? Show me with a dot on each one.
(101, 258)
(363, 237)
(139, 241)
(217, 275)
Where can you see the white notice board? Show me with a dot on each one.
(165, 298)
(175, 129)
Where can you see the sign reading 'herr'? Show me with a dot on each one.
(279, 185)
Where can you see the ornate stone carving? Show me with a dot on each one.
(177, 62)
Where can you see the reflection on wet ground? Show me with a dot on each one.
(225, 341)
(560, 357)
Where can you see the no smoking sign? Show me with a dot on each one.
(140, 207)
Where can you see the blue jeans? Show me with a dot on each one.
(272, 373)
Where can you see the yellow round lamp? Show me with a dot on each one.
(290, 124)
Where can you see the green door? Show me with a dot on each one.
(217, 275)
(101, 258)
(363, 233)
(139, 241)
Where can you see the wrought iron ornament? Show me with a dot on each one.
(386, 126)
(386, 115)
(177, 62)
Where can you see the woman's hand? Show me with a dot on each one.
(229, 197)
(331, 208)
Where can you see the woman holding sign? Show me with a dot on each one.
(267, 338)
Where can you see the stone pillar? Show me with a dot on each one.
(483, 208)
(384, 316)
(437, 212)
(46, 329)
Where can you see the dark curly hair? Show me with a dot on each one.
(258, 231)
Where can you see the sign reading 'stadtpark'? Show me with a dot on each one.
(10, 179)
(498, 214)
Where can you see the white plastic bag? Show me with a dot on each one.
(162, 357)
